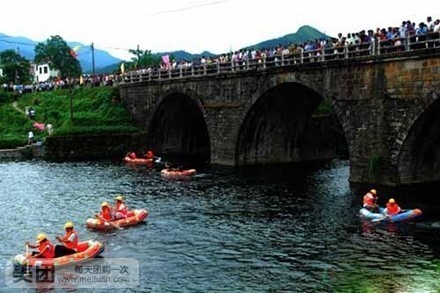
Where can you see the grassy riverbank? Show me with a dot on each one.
(80, 111)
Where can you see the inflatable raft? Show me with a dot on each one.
(129, 160)
(379, 217)
(134, 217)
(86, 250)
(177, 174)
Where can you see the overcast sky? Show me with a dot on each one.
(197, 25)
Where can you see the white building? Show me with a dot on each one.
(42, 72)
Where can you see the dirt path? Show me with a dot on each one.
(15, 105)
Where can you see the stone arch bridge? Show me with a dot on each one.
(385, 111)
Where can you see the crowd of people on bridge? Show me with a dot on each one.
(390, 39)
(87, 80)
(358, 43)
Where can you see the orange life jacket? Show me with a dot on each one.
(106, 214)
(50, 251)
(392, 208)
(121, 208)
(71, 244)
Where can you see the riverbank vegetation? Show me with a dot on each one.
(85, 110)
(94, 110)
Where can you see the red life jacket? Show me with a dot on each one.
(50, 251)
(392, 208)
(71, 244)
(369, 199)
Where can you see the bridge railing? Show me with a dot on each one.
(301, 56)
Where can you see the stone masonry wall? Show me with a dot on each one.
(92, 147)
(376, 100)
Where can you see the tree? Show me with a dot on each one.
(143, 59)
(16, 68)
(58, 55)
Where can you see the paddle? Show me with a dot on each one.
(110, 222)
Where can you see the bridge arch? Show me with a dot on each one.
(384, 104)
(177, 129)
(275, 128)
(417, 147)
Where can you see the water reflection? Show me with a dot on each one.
(252, 229)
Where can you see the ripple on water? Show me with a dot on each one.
(227, 230)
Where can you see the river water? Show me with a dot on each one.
(231, 230)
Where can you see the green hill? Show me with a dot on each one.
(304, 33)
(81, 111)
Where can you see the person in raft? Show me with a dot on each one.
(44, 246)
(132, 155)
(69, 241)
(370, 201)
(149, 155)
(392, 208)
(106, 212)
(120, 211)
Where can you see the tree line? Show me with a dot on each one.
(59, 56)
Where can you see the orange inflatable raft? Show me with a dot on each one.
(86, 250)
(134, 217)
(127, 159)
(177, 174)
